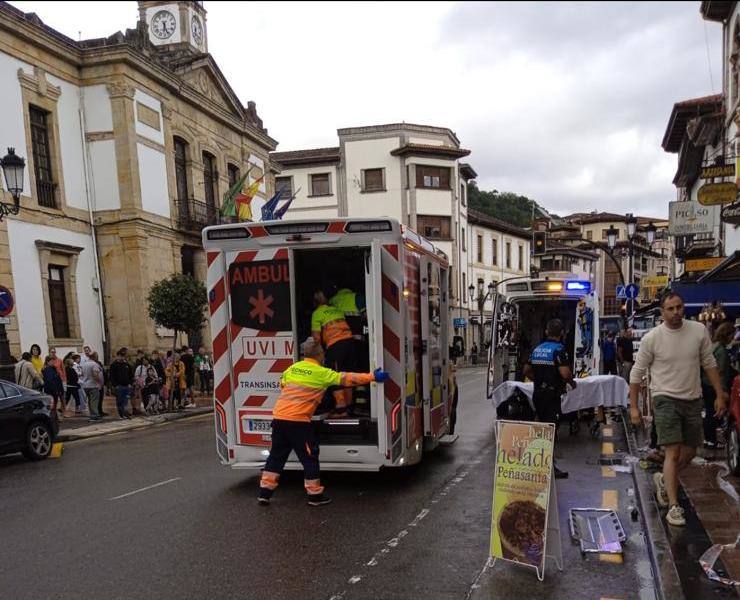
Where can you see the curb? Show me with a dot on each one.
(94, 431)
(667, 582)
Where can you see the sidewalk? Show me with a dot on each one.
(76, 427)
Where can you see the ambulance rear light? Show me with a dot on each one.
(522, 286)
(231, 233)
(296, 228)
(578, 286)
(364, 226)
(555, 286)
(547, 286)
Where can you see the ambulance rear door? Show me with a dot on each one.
(587, 353)
(431, 351)
(384, 286)
(261, 336)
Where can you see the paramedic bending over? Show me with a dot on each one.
(302, 387)
(328, 326)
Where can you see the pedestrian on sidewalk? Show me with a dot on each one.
(26, 374)
(159, 367)
(53, 385)
(609, 353)
(82, 398)
(58, 364)
(73, 383)
(121, 377)
(36, 360)
(204, 366)
(673, 352)
(92, 383)
(188, 360)
(176, 382)
(625, 353)
(303, 385)
(722, 337)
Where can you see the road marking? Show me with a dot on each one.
(149, 487)
(607, 448)
(393, 543)
(607, 432)
(610, 499)
(608, 472)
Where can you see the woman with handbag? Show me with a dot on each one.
(53, 384)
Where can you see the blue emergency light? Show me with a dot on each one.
(577, 286)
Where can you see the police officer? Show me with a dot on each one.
(302, 387)
(330, 328)
(549, 368)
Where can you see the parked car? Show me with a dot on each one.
(27, 422)
(733, 429)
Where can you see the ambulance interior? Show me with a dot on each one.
(532, 318)
(331, 270)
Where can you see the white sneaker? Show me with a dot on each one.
(660, 494)
(675, 516)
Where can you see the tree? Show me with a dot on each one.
(507, 206)
(178, 303)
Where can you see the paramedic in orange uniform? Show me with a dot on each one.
(302, 387)
(330, 328)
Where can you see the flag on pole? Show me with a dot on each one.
(268, 208)
(228, 207)
(280, 212)
(243, 200)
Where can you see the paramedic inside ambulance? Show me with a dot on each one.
(302, 387)
(330, 328)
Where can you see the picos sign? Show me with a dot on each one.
(260, 295)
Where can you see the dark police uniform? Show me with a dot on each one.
(549, 385)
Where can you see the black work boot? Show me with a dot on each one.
(264, 497)
(318, 499)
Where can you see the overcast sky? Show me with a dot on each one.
(564, 102)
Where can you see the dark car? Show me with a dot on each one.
(733, 429)
(27, 423)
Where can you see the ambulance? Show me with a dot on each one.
(261, 281)
(520, 316)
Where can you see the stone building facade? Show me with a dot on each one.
(130, 142)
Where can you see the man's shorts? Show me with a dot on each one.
(678, 421)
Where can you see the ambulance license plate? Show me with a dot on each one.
(259, 426)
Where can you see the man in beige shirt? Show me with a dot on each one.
(673, 352)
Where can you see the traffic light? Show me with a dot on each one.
(540, 243)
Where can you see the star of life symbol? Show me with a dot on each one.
(261, 307)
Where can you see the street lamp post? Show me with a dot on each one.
(13, 167)
(631, 222)
(481, 299)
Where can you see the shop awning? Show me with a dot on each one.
(696, 295)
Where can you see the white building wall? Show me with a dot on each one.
(12, 131)
(153, 180)
(374, 154)
(306, 206)
(29, 299)
(156, 135)
(98, 113)
(104, 170)
(70, 143)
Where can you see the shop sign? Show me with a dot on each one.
(521, 492)
(654, 281)
(712, 194)
(689, 218)
(717, 171)
(702, 264)
(731, 213)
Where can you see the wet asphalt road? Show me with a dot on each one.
(70, 529)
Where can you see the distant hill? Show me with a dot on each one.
(507, 206)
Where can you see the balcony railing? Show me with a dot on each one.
(194, 215)
(45, 193)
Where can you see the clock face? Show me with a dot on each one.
(163, 24)
(197, 30)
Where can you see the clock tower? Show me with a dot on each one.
(175, 25)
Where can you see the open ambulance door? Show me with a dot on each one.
(587, 353)
(495, 349)
(384, 286)
(431, 351)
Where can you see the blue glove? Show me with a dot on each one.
(380, 375)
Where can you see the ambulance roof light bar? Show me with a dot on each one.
(362, 226)
(578, 286)
(229, 233)
(296, 228)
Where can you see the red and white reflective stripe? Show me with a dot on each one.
(392, 328)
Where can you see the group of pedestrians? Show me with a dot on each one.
(144, 383)
(618, 353)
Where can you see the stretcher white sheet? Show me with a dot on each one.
(591, 392)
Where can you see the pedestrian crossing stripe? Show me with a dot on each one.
(607, 448)
(610, 499)
(607, 432)
(608, 472)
